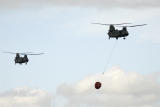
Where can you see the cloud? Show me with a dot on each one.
(119, 89)
(25, 97)
(85, 3)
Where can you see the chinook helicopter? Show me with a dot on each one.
(115, 33)
(22, 59)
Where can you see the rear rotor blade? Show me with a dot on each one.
(31, 53)
(137, 25)
(133, 25)
(111, 24)
(24, 53)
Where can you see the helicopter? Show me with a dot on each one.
(22, 59)
(115, 33)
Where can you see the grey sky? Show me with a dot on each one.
(83, 3)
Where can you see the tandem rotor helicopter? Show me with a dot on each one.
(22, 59)
(115, 33)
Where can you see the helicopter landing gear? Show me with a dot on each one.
(109, 38)
(124, 38)
(117, 38)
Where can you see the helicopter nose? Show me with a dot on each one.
(127, 33)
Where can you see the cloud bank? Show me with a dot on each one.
(25, 97)
(85, 3)
(119, 89)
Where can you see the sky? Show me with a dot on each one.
(77, 52)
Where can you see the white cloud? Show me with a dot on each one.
(25, 97)
(119, 88)
(85, 3)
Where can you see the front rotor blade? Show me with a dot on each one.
(101, 24)
(10, 52)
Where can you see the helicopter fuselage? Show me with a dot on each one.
(22, 57)
(21, 60)
(115, 33)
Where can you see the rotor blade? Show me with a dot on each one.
(27, 53)
(10, 52)
(111, 24)
(137, 25)
(31, 53)
(24, 53)
(18, 52)
(133, 25)
(101, 24)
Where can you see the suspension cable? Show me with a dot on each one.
(110, 56)
(108, 60)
